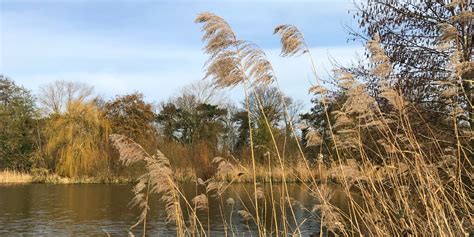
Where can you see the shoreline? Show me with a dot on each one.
(16, 177)
(241, 174)
(182, 176)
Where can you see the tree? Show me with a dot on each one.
(55, 97)
(202, 123)
(203, 93)
(198, 129)
(209, 123)
(268, 105)
(230, 136)
(193, 115)
(271, 113)
(316, 122)
(170, 118)
(131, 116)
(267, 101)
(17, 125)
(430, 44)
(77, 139)
(194, 122)
(243, 130)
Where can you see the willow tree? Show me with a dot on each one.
(77, 139)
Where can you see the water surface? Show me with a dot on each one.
(97, 209)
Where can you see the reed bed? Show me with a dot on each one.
(405, 189)
(296, 173)
(7, 176)
(44, 176)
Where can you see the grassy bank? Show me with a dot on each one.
(182, 176)
(16, 177)
(295, 173)
(239, 174)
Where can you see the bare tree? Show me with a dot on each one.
(196, 93)
(55, 96)
(425, 41)
(203, 90)
(271, 101)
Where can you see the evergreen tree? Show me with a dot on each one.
(17, 125)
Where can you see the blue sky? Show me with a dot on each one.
(153, 46)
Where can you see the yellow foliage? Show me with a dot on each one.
(77, 139)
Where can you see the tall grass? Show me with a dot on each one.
(376, 154)
(40, 175)
(7, 176)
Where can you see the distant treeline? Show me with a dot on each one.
(65, 127)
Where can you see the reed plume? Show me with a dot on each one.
(256, 64)
(292, 41)
(130, 151)
(231, 61)
(245, 215)
(230, 201)
(260, 194)
(158, 179)
(217, 33)
(313, 138)
(223, 167)
(215, 188)
(330, 216)
(378, 56)
(223, 65)
(201, 202)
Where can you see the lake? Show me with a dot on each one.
(98, 209)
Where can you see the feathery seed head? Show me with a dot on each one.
(130, 152)
(158, 178)
(260, 193)
(257, 64)
(378, 56)
(345, 79)
(292, 41)
(313, 138)
(231, 61)
(217, 32)
(223, 167)
(318, 90)
(246, 216)
(394, 98)
(201, 202)
(230, 201)
(223, 65)
(215, 188)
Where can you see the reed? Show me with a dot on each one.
(374, 154)
(11, 176)
(407, 192)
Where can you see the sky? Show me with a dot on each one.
(155, 47)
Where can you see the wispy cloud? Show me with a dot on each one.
(294, 74)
